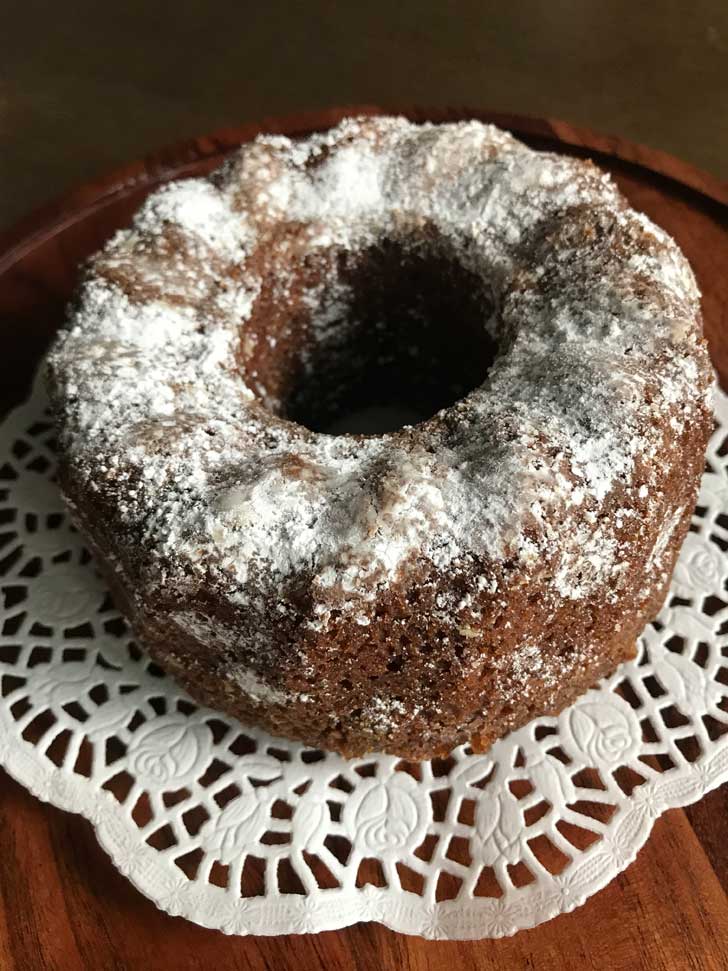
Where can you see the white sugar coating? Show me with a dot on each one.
(383, 714)
(257, 689)
(526, 662)
(200, 210)
(330, 519)
(596, 311)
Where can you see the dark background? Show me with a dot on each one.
(88, 84)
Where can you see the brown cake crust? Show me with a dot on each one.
(405, 592)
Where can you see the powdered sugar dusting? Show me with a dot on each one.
(596, 314)
(195, 206)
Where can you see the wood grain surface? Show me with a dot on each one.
(62, 904)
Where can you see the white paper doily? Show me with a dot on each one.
(237, 830)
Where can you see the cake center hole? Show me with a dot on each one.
(373, 341)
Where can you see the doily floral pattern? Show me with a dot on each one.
(237, 830)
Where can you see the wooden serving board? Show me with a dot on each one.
(64, 906)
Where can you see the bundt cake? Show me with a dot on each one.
(418, 587)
